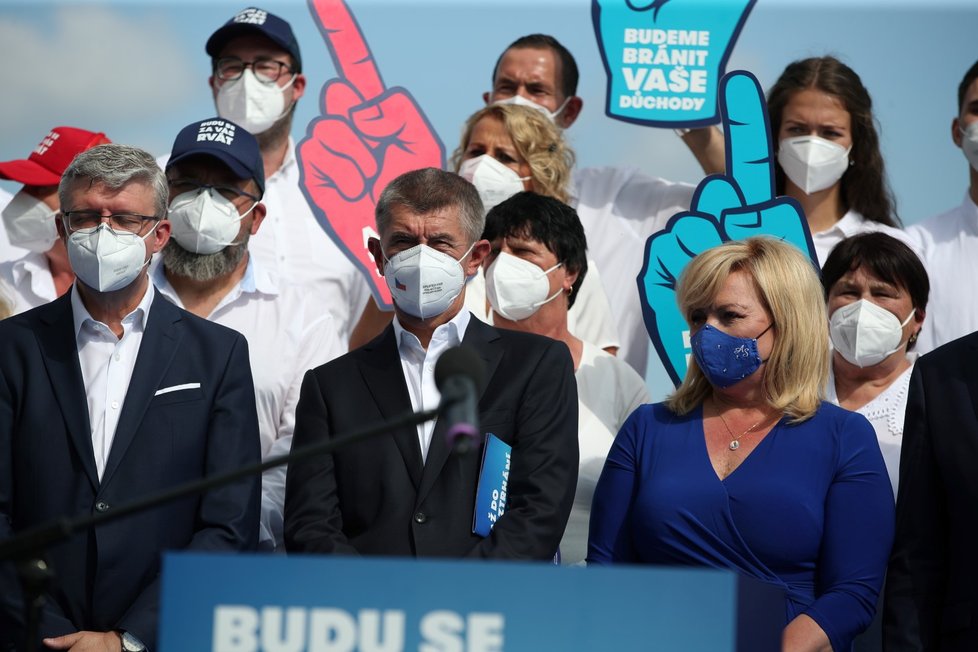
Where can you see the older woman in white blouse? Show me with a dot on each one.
(876, 289)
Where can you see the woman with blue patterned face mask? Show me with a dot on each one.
(745, 467)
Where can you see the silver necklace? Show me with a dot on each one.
(735, 441)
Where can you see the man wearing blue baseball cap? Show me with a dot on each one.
(216, 179)
(256, 82)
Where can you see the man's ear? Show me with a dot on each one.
(298, 87)
(570, 112)
(257, 217)
(485, 97)
(373, 246)
(480, 251)
(956, 136)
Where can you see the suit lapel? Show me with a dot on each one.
(156, 351)
(481, 339)
(56, 338)
(389, 391)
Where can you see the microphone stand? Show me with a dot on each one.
(26, 548)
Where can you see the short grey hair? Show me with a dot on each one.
(114, 166)
(430, 189)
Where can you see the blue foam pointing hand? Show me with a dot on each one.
(732, 206)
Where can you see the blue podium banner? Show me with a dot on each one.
(228, 603)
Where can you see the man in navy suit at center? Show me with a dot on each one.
(407, 493)
(111, 394)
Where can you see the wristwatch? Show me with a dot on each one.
(130, 643)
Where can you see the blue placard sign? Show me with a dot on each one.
(247, 603)
(664, 58)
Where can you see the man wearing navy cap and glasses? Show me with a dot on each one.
(256, 81)
(216, 180)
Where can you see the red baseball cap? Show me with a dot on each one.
(51, 157)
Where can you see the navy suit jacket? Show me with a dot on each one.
(931, 594)
(378, 497)
(107, 578)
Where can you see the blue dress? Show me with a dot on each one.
(809, 510)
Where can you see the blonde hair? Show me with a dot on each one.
(538, 141)
(787, 283)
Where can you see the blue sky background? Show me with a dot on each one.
(137, 70)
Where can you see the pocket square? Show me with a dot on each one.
(177, 388)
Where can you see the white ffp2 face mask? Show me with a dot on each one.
(252, 104)
(865, 334)
(519, 100)
(495, 182)
(29, 223)
(107, 260)
(424, 281)
(517, 288)
(813, 163)
(205, 221)
(969, 144)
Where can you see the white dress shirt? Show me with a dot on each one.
(288, 331)
(620, 208)
(28, 282)
(418, 366)
(949, 248)
(853, 223)
(608, 390)
(294, 247)
(106, 366)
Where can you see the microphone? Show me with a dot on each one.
(460, 376)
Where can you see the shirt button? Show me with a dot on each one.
(118, 357)
(420, 517)
(101, 507)
(115, 405)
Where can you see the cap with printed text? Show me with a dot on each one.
(51, 157)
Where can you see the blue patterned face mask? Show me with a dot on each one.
(726, 359)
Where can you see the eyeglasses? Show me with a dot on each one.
(266, 71)
(128, 222)
(180, 186)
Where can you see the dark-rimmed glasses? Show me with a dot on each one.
(266, 71)
(180, 186)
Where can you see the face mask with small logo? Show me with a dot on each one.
(495, 182)
(969, 143)
(725, 359)
(205, 221)
(813, 163)
(29, 223)
(865, 334)
(519, 100)
(107, 260)
(252, 104)
(517, 288)
(424, 281)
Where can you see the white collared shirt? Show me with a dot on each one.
(289, 331)
(28, 281)
(418, 366)
(619, 209)
(949, 248)
(853, 223)
(107, 363)
(294, 247)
